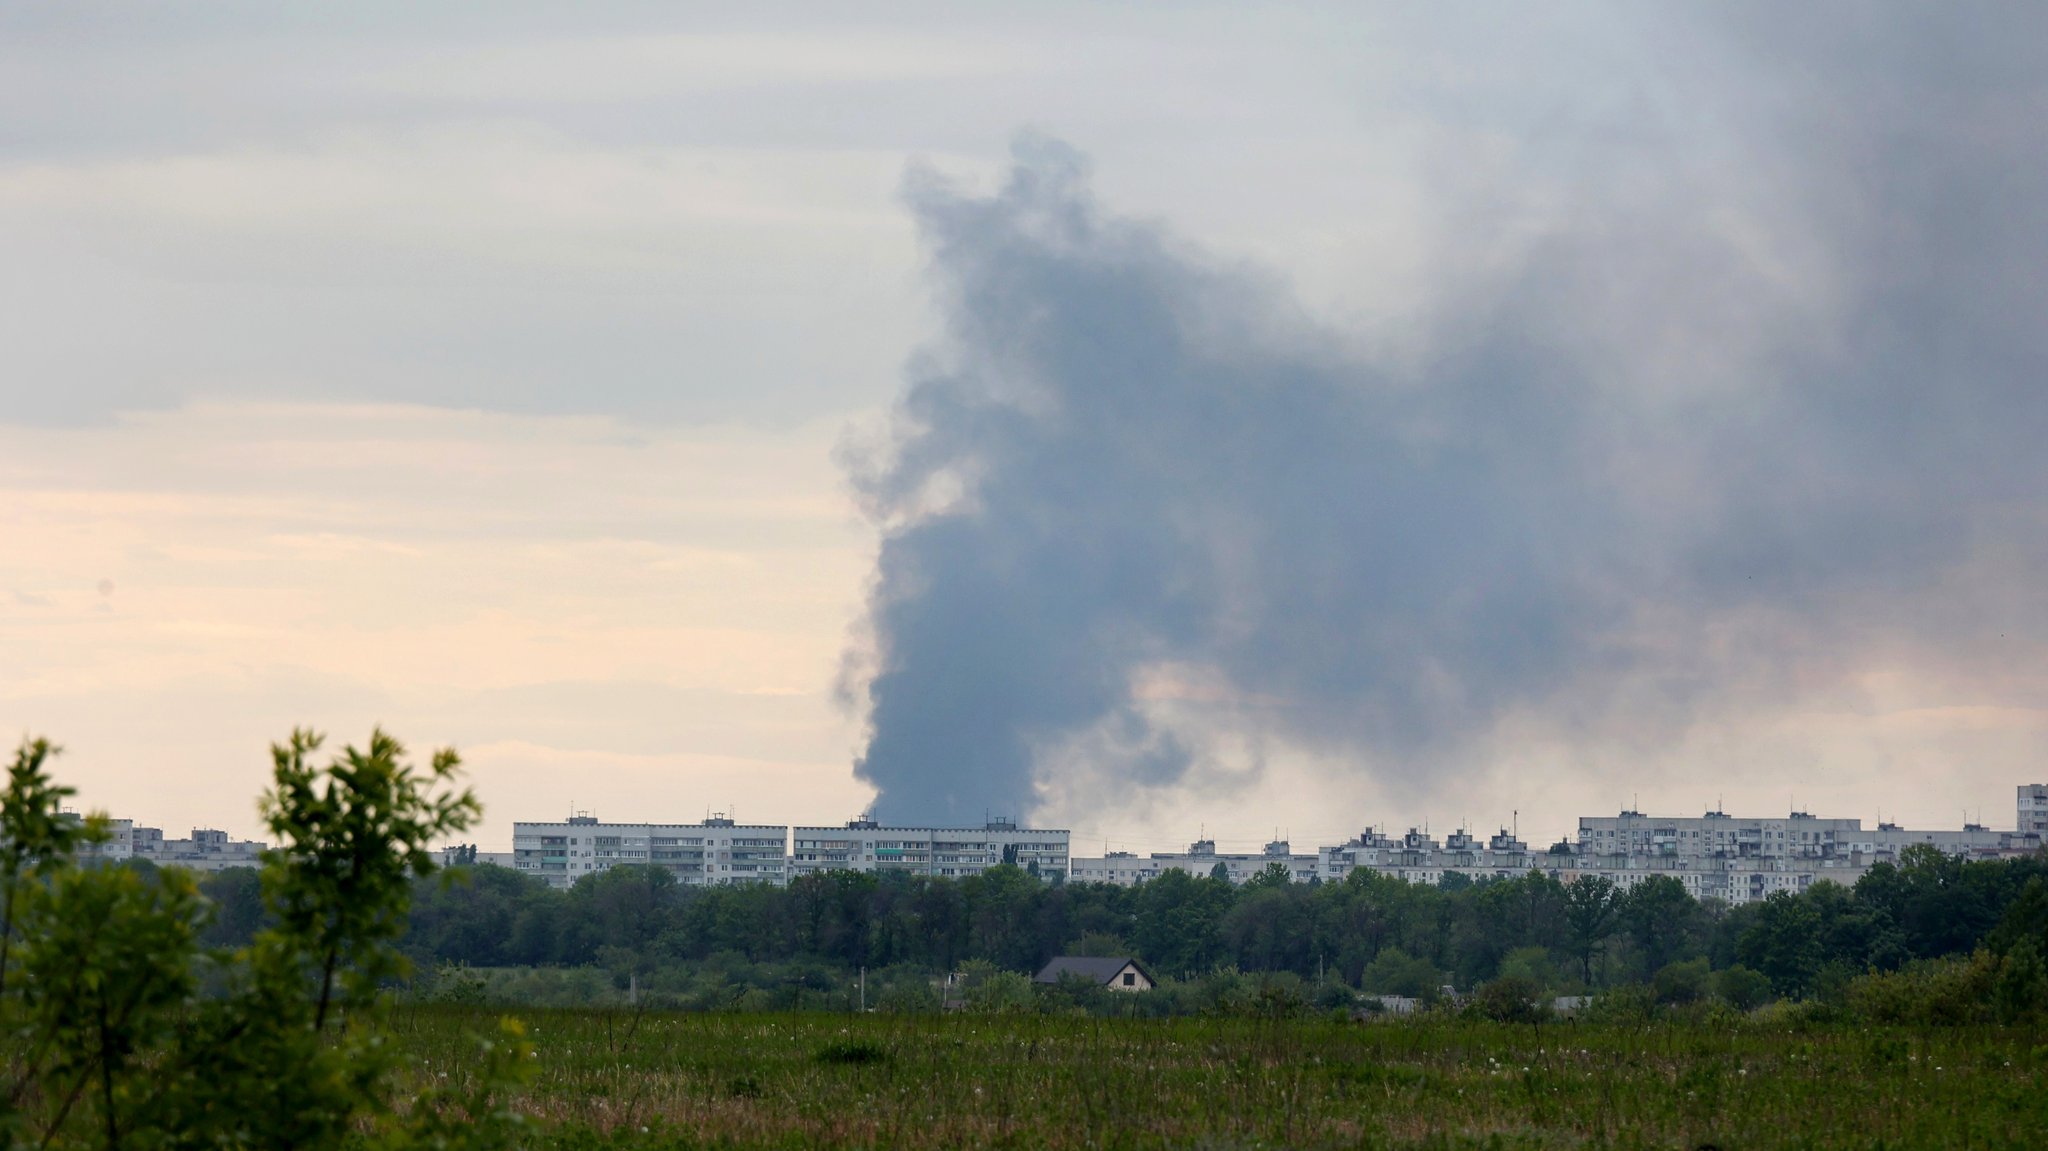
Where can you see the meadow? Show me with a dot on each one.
(620, 1078)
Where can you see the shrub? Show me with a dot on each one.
(1929, 991)
(1510, 999)
(1395, 972)
(111, 1042)
(1741, 988)
(1681, 983)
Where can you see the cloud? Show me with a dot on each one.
(1746, 409)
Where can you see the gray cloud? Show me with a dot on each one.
(1763, 396)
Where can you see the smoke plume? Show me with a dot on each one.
(1713, 438)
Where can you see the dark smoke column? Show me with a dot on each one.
(1011, 615)
(1124, 459)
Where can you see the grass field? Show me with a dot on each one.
(677, 1080)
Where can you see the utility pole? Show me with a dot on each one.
(863, 991)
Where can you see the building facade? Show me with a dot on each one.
(206, 850)
(945, 852)
(1420, 859)
(715, 852)
(1713, 856)
(2033, 811)
(1201, 860)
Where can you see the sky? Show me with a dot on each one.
(1152, 420)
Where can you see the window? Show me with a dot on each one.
(1130, 980)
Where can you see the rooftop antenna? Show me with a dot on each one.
(1518, 823)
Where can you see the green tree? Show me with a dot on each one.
(1591, 904)
(1511, 999)
(111, 1043)
(1686, 981)
(1274, 874)
(1741, 988)
(1783, 943)
(1660, 919)
(1395, 972)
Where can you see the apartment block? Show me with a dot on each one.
(2033, 811)
(946, 852)
(1420, 859)
(1713, 855)
(1741, 860)
(206, 850)
(1200, 859)
(715, 852)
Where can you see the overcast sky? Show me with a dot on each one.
(1590, 407)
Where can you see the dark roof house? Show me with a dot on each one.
(1120, 973)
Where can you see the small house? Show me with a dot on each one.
(1118, 974)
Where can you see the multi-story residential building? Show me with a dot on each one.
(1715, 835)
(1200, 859)
(467, 855)
(946, 852)
(1714, 856)
(1717, 856)
(1417, 857)
(2033, 811)
(714, 852)
(206, 850)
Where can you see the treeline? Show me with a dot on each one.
(1370, 932)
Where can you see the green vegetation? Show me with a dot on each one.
(121, 1030)
(1975, 932)
(144, 1008)
(650, 1080)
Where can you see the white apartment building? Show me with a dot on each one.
(206, 850)
(468, 856)
(1716, 835)
(946, 852)
(1714, 856)
(715, 852)
(1799, 839)
(1741, 860)
(1418, 858)
(2033, 811)
(1200, 860)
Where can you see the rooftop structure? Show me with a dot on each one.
(206, 850)
(1713, 855)
(1201, 859)
(715, 852)
(947, 852)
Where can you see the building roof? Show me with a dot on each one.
(1100, 970)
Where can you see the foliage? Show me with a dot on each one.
(113, 1036)
(1510, 999)
(1741, 988)
(1683, 982)
(760, 947)
(840, 1080)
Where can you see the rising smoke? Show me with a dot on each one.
(1713, 439)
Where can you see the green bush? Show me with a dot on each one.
(1741, 988)
(101, 965)
(1395, 972)
(1683, 982)
(1510, 999)
(1930, 991)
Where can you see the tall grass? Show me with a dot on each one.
(618, 1078)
